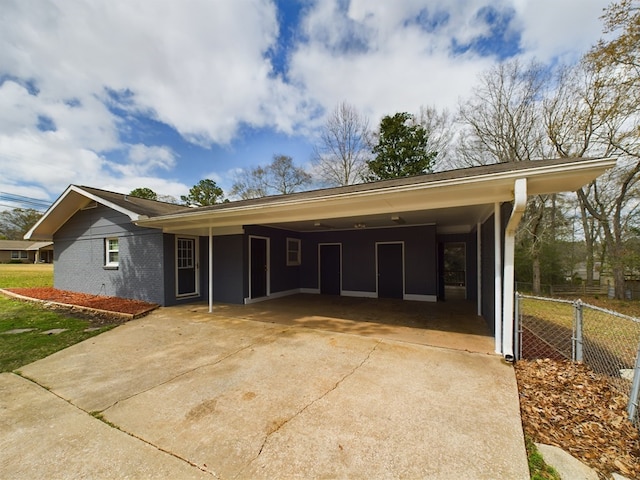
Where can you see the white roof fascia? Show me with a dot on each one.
(502, 181)
(73, 188)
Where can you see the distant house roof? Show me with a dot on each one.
(15, 245)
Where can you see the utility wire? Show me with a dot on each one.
(22, 197)
(29, 202)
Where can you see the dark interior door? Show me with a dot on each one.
(390, 270)
(330, 269)
(258, 267)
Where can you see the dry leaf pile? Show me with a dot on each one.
(569, 406)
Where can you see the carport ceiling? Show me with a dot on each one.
(447, 220)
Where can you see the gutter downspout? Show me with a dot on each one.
(519, 205)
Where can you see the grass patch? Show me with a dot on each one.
(99, 416)
(20, 349)
(618, 335)
(538, 469)
(26, 275)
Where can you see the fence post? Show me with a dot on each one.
(577, 332)
(518, 336)
(632, 406)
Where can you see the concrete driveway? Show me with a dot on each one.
(182, 394)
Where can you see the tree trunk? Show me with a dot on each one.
(618, 280)
(536, 273)
(587, 228)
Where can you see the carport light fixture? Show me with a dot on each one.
(398, 219)
(359, 225)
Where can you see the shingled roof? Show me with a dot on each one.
(141, 206)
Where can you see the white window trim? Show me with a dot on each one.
(298, 260)
(107, 251)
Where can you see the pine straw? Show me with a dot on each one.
(111, 304)
(568, 405)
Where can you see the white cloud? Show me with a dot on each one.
(202, 68)
(385, 57)
(197, 66)
(564, 29)
(145, 159)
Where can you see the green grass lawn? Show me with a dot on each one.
(20, 349)
(619, 335)
(26, 275)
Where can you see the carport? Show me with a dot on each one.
(354, 230)
(454, 324)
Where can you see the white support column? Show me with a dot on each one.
(497, 289)
(519, 205)
(210, 270)
(479, 265)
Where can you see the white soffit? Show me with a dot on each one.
(428, 195)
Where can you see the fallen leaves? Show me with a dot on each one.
(568, 405)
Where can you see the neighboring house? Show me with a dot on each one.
(381, 239)
(25, 251)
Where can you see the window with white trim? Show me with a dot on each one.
(293, 252)
(112, 251)
(18, 254)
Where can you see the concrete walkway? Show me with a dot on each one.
(201, 396)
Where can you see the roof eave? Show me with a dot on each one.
(483, 188)
(64, 208)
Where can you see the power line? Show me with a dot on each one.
(15, 195)
(41, 210)
(28, 202)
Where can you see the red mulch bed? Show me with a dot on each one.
(111, 304)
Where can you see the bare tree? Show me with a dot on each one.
(502, 123)
(284, 177)
(575, 125)
(341, 156)
(281, 176)
(502, 119)
(439, 128)
(595, 112)
(250, 183)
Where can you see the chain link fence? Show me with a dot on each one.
(607, 341)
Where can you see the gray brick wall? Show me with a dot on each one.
(79, 256)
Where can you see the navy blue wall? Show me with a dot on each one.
(359, 257)
(282, 277)
(228, 269)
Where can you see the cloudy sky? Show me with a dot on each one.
(119, 94)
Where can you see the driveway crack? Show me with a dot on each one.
(98, 416)
(303, 409)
